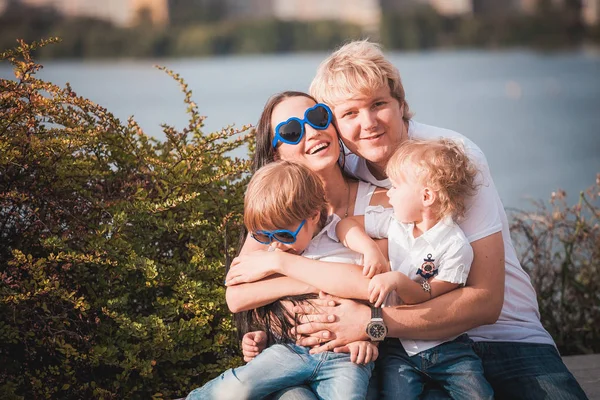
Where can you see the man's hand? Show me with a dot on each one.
(252, 344)
(361, 352)
(345, 320)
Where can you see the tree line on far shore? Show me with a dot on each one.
(551, 27)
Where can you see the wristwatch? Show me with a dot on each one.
(376, 330)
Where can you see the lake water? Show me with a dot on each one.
(536, 116)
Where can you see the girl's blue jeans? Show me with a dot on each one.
(328, 375)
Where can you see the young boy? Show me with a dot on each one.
(285, 207)
(429, 256)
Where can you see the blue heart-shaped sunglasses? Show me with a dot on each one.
(281, 235)
(291, 131)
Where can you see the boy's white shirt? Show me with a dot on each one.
(519, 320)
(444, 243)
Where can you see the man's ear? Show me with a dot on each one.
(428, 197)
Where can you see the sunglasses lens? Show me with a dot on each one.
(291, 131)
(261, 238)
(285, 237)
(318, 117)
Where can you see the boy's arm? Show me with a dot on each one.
(350, 231)
(452, 271)
(412, 292)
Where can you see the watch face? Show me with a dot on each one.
(376, 331)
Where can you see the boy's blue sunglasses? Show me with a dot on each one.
(281, 235)
(291, 131)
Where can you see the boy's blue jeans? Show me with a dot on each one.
(329, 375)
(452, 365)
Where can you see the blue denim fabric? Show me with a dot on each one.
(329, 376)
(453, 366)
(302, 392)
(527, 371)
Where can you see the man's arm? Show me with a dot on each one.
(478, 303)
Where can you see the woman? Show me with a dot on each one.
(319, 150)
(304, 135)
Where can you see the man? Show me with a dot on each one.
(498, 306)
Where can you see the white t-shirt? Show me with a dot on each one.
(443, 247)
(519, 320)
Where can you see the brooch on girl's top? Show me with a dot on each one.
(428, 268)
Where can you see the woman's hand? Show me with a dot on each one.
(253, 267)
(362, 352)
(252, 344)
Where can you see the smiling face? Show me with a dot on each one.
(318, 149)
(372, 127)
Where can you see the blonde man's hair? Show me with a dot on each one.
(441, 165)
(281, 194)
(357, 68)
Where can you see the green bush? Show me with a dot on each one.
(113, 246)
(559, 246)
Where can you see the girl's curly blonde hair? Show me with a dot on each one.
(441, 165)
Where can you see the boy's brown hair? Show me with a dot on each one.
(281, 194)
(441, 165)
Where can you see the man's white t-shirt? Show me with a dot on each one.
(444, 247)
(519, 320)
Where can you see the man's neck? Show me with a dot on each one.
(377, 170)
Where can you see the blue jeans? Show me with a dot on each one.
(527, 371)
(453, 365)
(328, 375)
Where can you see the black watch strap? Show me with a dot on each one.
(376, 312)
